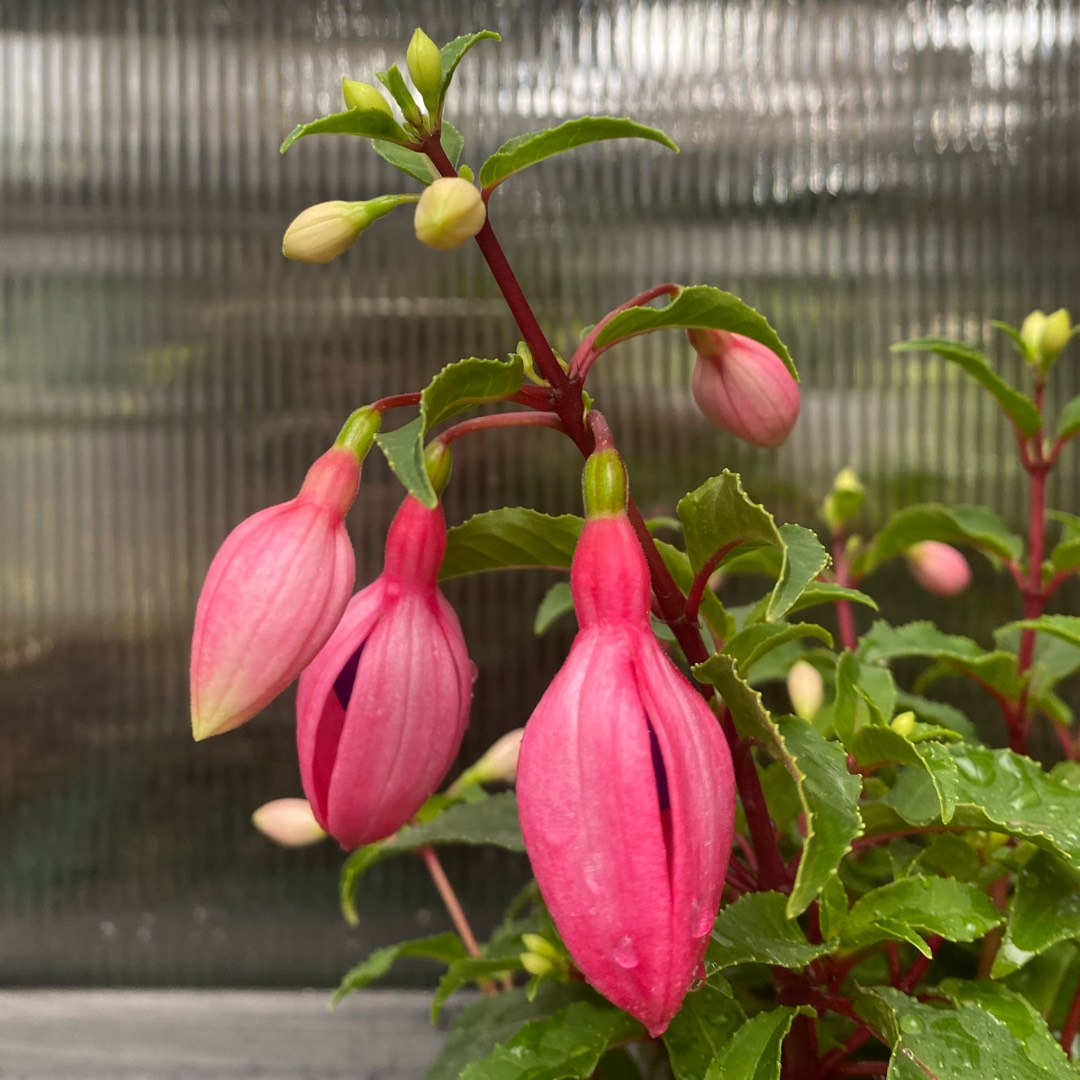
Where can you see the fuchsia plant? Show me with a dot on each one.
(865, 885)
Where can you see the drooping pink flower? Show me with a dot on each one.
(382, 709)
(744, 387)
(273, 593)
(939, 568)
(626, 792)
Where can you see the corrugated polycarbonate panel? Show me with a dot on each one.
(862, 172)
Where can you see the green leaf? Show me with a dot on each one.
(804, 559)
(712, 610)
(1016, 1013)
(499, 956)
(865, 693)
(1019, 408)
(828, 793)
(932, 1043)
(510, 538)
(756, 929)
(415, 164)
(445, 947)
(696, 307)
(828, 592)
(492, 820)
(1064, 627)
(565, 1046)
(1069, 419)
(701, 1029)
(720, 513)
(748, 646)
(368, 123)
(871, 745)
(1013, 333)
(480, 1026)
(975, 526)
(525, 150)
(467, 383)
(452, 53)
(934, 905)
(1045, 909)
(394, 81)
(403, 449)
(753, 1052)
(557, 602)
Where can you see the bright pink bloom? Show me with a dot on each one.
(382, 709)
(626, 792)
(939, 568)
(273, 594)
(744, 387)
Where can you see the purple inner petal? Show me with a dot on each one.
(659, 771)
(343, 684)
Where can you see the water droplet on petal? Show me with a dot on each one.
(625, 954)
(701, 919)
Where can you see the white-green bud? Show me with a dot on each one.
(450, 211)
(806, 688)
(425, 68)
(361, 95)
(322, 232)
(844, 501)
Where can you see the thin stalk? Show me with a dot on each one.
(500, 420)
(1071, 1025)
(845, 617)
(450, 900)
(701, 579)
(395, 401)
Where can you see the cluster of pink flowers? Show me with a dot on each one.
(625, 782)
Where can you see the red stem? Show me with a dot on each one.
(845, 617)
(862, 1068)
(500, 420)
(701, 579)
(831, 1060)
(914, 974)
(395, 401)
(1071, 1025)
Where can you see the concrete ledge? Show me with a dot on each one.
(225, 1035)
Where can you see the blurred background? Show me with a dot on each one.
(861, 172)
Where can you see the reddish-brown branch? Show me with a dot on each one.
(395, 401)
(1072, 1024)
(701, 578)
(915, 974)
(845, 616)
(861, 1068)
(501, 420)
(833, 1059)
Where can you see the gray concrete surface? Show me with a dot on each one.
(225, 1035)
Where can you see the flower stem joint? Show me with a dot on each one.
(625, 784)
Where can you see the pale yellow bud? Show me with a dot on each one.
(1055, 335)
(806, 688)
(450, 211)
(1031, 331)
(537, 943)
(536, 965)
(288, 822)
(499, 763)
(361, 95)
(322, 232)
(425, 67)
(903, 723)
(844, 501)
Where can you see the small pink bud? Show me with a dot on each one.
(273, 593)
(939, 568)
(382, 709)
(288, 822)
(626, 792)
(498, 764)
(743, 387)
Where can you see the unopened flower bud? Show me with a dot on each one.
(537, 943)
(806, 688)
(425, 67)
(450, 211)
(498, 765)
(537, 965)
(362, 95)
(1055, 335)
(903, 723)
(743, 387)
(1031, 333)
(288, 822)
(322, 232)
(939, 568)
(844, 501)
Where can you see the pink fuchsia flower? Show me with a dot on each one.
(382, 709)
(626, 792)
(939, 568)
(275, 590)
(288, 822)
(743, 387)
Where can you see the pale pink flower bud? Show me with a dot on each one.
(939, 568)
(744, 387)
(806, 688)
(498, 764)
(382, 709)
(288, 822)
(626, 792)
(273, 593)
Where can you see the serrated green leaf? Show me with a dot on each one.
(524, 150)
(936, 714)
(832, 907)
(468, 383)
(557, 602)
(1045, 909)
(828, 592)
(510, 538)
(804, 559)
(368, 123)
(696, 307)
(975, 526)
(479, 1027)
(712, 610)
(719, 513)
(912, 905)
(492, 820)
(1069, 419)
(756, 929)
(701, 1029)
(933, 1043)
(827, 791)
(415, 164)
(1018, 407)
(872, 745)
(499, 956)
(454, 51)
(1064, 627)
(566, 1046)
(865, 693)
(748, 646)
(403, 449)
(753, 1053)
(445, 948)
(394, 81)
